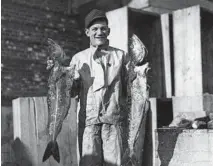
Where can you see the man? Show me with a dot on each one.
(101, 77)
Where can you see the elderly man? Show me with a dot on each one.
(101, 77)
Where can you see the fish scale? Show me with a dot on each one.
(138, 96)
(58, 98)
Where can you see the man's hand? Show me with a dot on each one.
(50, 64)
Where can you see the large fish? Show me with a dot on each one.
(58, 98)
(138, 101)
(137, 50)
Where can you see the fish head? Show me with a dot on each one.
(137, 50)
(56, 54)
(142, 70)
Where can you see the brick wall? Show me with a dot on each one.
(26, 25)
(54, 5)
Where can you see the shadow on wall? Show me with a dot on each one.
(20, 153)
(148, 143)
(167, 139)
(165, 142)
(164, 112)
(92, 159)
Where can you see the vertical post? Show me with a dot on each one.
(118, 23)
(187, 52)
(166, 54)
(153, 109)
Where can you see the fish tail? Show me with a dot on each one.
(52, 149)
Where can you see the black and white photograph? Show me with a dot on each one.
(106, 82)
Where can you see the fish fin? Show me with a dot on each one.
(48, 151)
(56, 155)
(52, 149)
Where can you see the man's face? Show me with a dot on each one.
(98, 32)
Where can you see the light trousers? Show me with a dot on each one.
(102, 145)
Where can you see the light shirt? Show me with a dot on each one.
(102, 79)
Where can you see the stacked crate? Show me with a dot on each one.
(193, 61)
(180, 54)
(192, 66)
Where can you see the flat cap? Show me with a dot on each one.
(93, 15)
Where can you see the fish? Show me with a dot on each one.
(205, 122)
(137, 50)
(60, 82)
(138, 100)
(181, 121)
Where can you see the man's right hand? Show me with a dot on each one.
(50, 64)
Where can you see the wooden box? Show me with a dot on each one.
(193, 50)
(153, 30)
(31, 135)
(184, 147)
